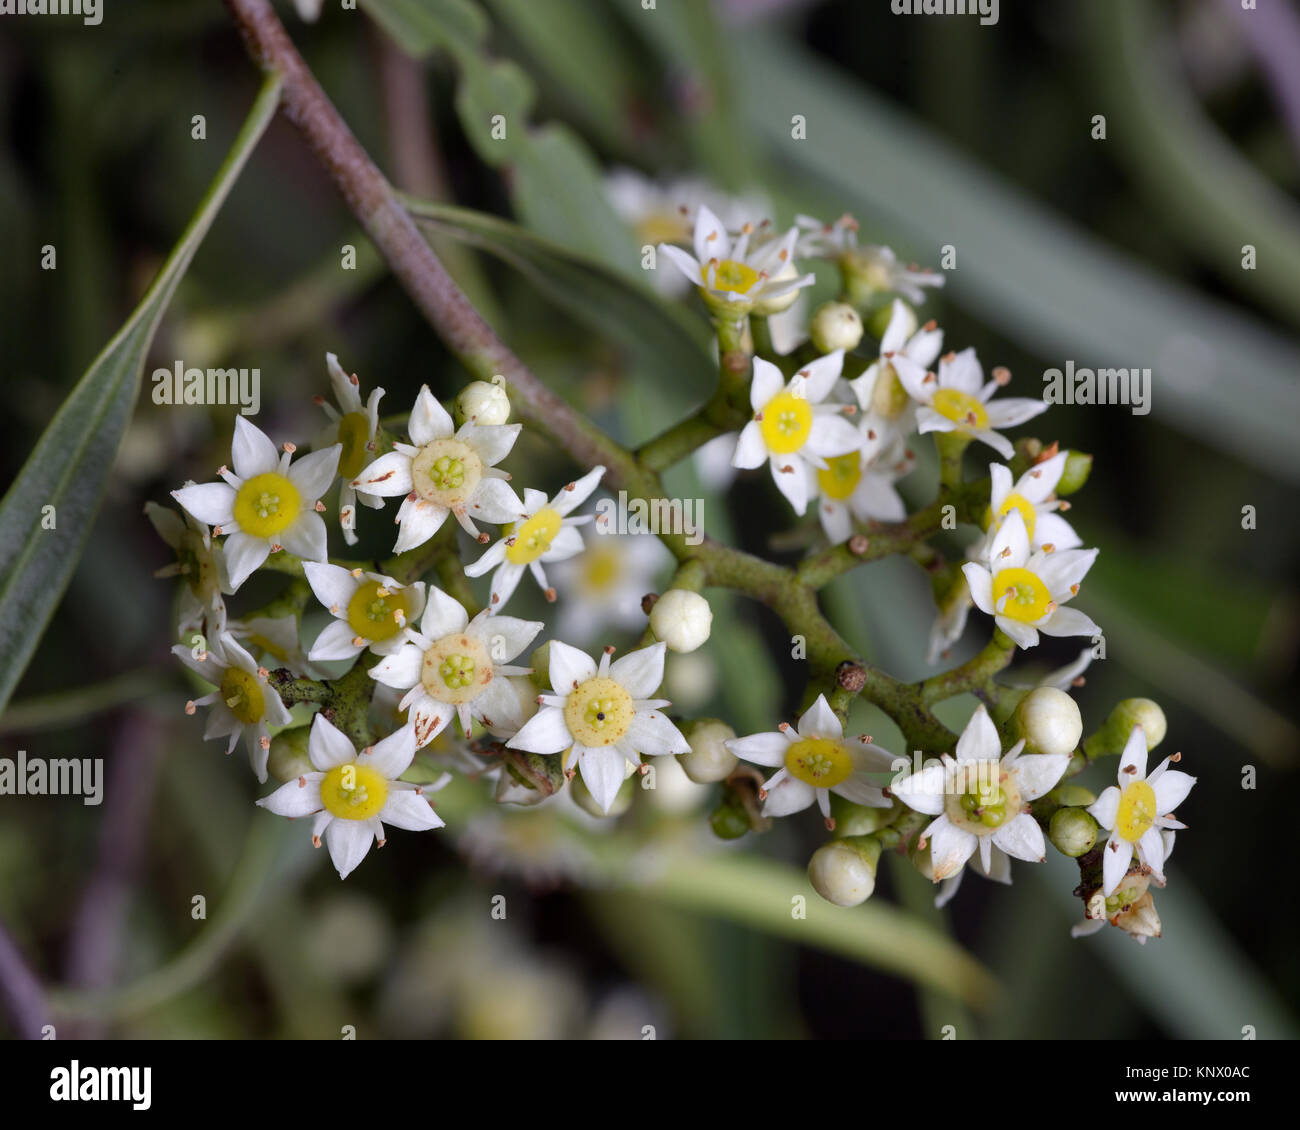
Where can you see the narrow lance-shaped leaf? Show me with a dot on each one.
(47, 513)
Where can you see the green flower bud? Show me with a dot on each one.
(540, 662)
(729, 820)
(1048, 720)
(1073, 796)
(587, 802)
(920, 858)
(528, 778)
(1073, 831)
(709, 759)
(835, 325)
(878, 320)
(1129, 712)
(1078, 465)
(844, 871)
(483, 402)
(859, 819)
(287, 759)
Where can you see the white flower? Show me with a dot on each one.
(265, 505)
(1136, 811)
(353, 427)
(199, 561)
(243, 703)
(880, 391)
(792, 429)
(352, 795)
(734, 276)
(603, 586)
(682, 619)
(455, 665)
(980, 800)
(370, 611)
(1025, 593)
(958, 400)
(446, 472)
(859, 486)
(1031, 494)
(950, 622)
(544, 533)
(602, 716)
(276, 636)
(878, 266)
(815, 760)
(999, 870)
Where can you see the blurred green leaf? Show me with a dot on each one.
(1039, 280)
(664, 335)
(70, 465)
(421, 27)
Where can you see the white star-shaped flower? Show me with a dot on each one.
(544, 534)
(202, 607)
(458, 666)
(878, 265)
(353, 426)
(351, 796)
(444, 471)
(265, 504)
(1026, 592)
(859, 486)
(1031, 494)
(243, 703)
(815, 760)
(882, 396)
(980, 799)
(792, 429)
(958, 400)
(370, 611)
(1137, 811)
(602, 716)
(743, 275)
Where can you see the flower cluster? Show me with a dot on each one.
(412, 674)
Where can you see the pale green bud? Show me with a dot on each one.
(709, 759)
(835, 325)
(540, 662)
(859, 819)
(844, 871)
(878, 320)
(1073, 831)
(1078, 465)
(483, 402)
(681, 619)
(1048, 720)
(1129, 712)
(287, 759)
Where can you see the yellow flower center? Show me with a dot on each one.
(242, 693)
(534, 537)
(842, 475)
(787, 421)
(981, 797)
(599, 712)
(456, 669)
(888, 396)
(1027, 596)
(446, 472)
(731, 275)
(373, 611)
(600, 566)
(268, 645)
(354, 434)
(266, 504)
(1015, 501)
(961, 408)
(819, 762)
(1137, 811)
(354, 792)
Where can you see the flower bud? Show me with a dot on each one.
(483, 402)
(540, 662)
(287, 759)
(920, 858)
(1129, 712)
(835, 325)
(709, 760)
(729, 820)
(682, 619)
(528, 778)
(844, 871)
(1049, 721)
(1078, 465)
(858, 819)
(1072, 831)
(768, 306)
(879, 318)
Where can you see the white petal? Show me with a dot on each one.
(306, 537)
(428, 719)
(1151, 850)
(1021, 838)
(761, 749)
(405, 808)
(819, 721)
(979, 741)
(244, 553)
(1040, 480)
(1133, 761)
(252, 451)
(751, 450)
(1010, 411)
(1052, 529)
(950, 848)
(505, 636)
(766, 383)
(1115, 860)
(567, 501)
(492, 441)
(392, 756)
(789, 795)
(1106, 807)
(293, 799)
(1058, 571)
(923, 791)
(333, 585)
(652, 734)
(569, 667)
(1038, 773)
(1010, 547)
(1068, 622)
(1022, 635)
(818, 377)
(313, 473)
(420, 520)
(490, 559)
(388, 476)
(213, 503)
(792, 483)
(504, 582)
(494, 501)
(1000, 478)
(348, 841)
(327, 746)
(603, 772)
(429, 419)
(401, 670)
(545, 731)
(1171, 789)
(832, 434)
(639, 672)
(443, 615)
(335, 642)
(980, 581)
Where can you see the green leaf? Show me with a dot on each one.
(493, 101)
(665, 336)
(1038, 279)
(73, 458)
(421, 27)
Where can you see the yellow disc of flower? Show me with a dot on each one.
(267, 504)
(242, 693)
(819, 762)
(534, 537)
(599, 712)
(961, 408)
(731, 275)
(1027, 596)
(787, 422)
(1015, 501)
(1137, 811)
(841, 477)
(354, 434)
(354, 792)
(373, 611)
